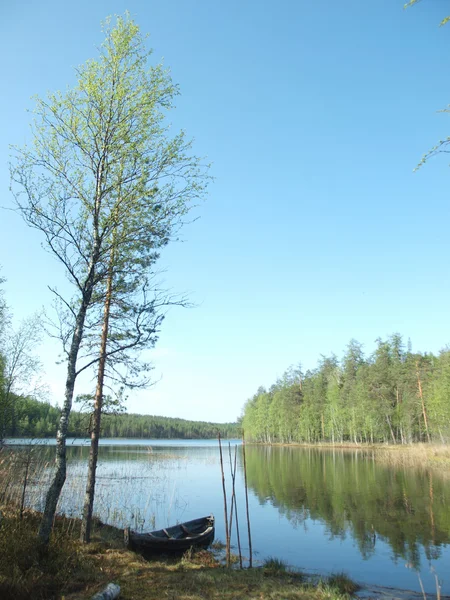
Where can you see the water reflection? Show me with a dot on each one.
(355, 496)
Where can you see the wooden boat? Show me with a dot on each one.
(178, 538)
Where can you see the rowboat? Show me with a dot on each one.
(178, 538)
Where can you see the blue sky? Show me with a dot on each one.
(315, 231)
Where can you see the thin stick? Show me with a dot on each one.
(246, 502)
(234, 501)
(225, 505)
(233, 476)
(230, 529)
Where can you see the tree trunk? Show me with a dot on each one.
(424, 412)
(98, 405)
(391, 430)
(59, 476)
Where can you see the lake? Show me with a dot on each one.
(319, 510)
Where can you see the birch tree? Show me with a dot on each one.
(20, 369)
(102, 160)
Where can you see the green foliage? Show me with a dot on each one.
(109, 184)
(393, 396)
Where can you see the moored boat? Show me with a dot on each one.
(178, 538)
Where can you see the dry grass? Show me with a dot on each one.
(71, 571)
(414, 455)
(30, 571)
(399, 455)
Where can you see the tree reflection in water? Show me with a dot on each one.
(353, 495)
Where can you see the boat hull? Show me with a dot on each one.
(178, 538)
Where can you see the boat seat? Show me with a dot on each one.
(168, 534)
(186, 530)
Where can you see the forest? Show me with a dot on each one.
(393, 396)
(32, 418)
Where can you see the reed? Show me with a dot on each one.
(123, 497)
(343, 583)
(414, 455)
(275, 565)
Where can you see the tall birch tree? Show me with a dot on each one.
(102, 158)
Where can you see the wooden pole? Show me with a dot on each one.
(230, 528)
(246, 502)
(234, 501)
(424, 411)
(225, 508)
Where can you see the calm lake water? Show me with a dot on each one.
(319, 510)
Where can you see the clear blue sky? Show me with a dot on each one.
(316, 229)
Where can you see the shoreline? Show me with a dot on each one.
(415, 455)
(83, 570)
(71, 570)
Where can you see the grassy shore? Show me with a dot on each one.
(415, 455)
(70, 570)
(399, 455)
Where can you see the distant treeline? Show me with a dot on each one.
(32, 418)
(392, 396)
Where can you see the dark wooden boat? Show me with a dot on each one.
(178, 538)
